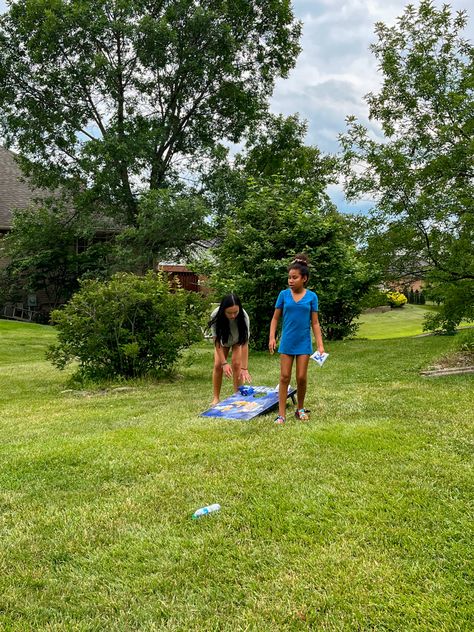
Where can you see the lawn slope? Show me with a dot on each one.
(396, 323)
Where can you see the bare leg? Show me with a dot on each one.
(217, 372)
(286, 364)
(236, 366)
(301, 378)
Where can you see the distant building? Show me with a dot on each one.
(410, 279)
(14, 192)
(186, 278)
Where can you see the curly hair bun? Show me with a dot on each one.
(302, 259)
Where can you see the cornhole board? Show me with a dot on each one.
(246, 407)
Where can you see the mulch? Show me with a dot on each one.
(453, 364)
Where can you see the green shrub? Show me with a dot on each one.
(374, 298)
(465, 341)
(396, 299)
(129, 326)
(456, 302)
(416, 297)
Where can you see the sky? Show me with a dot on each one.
(336, 68)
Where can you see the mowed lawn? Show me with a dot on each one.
(359, 520)
(406, 321)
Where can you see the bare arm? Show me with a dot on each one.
(316, 327)
(273, 328)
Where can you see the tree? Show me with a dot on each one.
(168, 223)
(421, 173)
(260, 241)
(43, 254)
(275, 147)
(114, 97)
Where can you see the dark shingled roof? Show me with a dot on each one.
(14, 193)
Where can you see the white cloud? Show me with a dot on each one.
(336, 69)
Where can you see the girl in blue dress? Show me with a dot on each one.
(299, 307)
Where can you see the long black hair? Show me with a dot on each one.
(221, 321)
(301, 263)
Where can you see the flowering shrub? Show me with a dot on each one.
(396, 299)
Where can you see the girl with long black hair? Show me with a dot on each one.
(230, 327)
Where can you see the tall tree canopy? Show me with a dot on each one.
(274, 147)
(261, 239)
(114, 96)
(421, 173)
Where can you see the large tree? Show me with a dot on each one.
(262, 237)
(114, 97)
(274, 147)
(421, 172)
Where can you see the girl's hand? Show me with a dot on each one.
(227, 370)
(245, 376)
(272, 345)
(321, 349)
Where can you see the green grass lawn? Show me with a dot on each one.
(359, 520)
(397, 323)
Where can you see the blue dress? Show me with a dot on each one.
(296, 330)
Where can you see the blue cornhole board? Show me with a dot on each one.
(239, 406)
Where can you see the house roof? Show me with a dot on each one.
(172, 267)
(14, 193)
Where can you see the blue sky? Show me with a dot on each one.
(335, 68)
